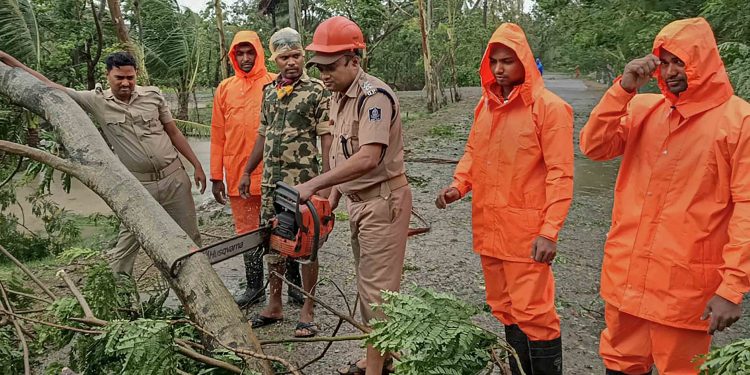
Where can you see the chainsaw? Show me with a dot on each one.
(297, 230)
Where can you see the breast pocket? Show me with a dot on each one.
(113, 123)
(151, 123)
(350, 139)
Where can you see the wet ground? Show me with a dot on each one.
(443, 258)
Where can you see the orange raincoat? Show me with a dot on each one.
(518, 160)
(681, 219)
(236, 117)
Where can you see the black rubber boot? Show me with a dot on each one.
(546, 357)
(254, 293)
(520, 343)
(293, 275)
(613, 372)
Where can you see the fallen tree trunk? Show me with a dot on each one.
(204, 296)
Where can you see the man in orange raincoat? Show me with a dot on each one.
(234, 127)
(519, 164)
(677, 257)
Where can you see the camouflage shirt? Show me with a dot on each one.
(291, 126)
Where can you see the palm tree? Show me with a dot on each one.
(20, 31)
(172, 43)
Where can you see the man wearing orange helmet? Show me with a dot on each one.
(367, 167)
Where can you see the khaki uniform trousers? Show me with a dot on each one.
(173, 193)
(379, 227)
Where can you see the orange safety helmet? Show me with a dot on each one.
(337, 34)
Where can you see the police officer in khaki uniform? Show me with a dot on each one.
(367, 167)
(138, 125)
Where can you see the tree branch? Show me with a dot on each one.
(16, 261)
(184, 349)
(88, 314)
(240, 351)
(315, 339)
(42, 157)
(11, 291)
(54, 325)
(345, 317)
(19, 333)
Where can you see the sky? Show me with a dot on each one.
(199, 5)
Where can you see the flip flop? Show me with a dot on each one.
(311, 327)
(262, 321)
(353, 369)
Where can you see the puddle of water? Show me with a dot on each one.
(83, 201)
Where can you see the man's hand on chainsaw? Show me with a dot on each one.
(244, 186)
(446, 197)
(305, 192)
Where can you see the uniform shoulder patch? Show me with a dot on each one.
(376, 114)
(150, 89)
(367, 87)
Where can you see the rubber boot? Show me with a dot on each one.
(254, 293)
(546, 357)
(293, 275)
(520, 343)
(613, 372)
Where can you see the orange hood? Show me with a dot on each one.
(259, 69)
(692, 40)
(512, 36)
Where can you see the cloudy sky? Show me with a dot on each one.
(199, 5)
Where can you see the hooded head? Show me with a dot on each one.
(243, 38)
(692, 41)
(511, 36)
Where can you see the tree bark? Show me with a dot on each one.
(222, 42)
(183, 101)
(204, 296)
(122, 35)
(120, 29)
(433, 101)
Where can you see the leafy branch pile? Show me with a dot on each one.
(134, 337)
(729, 360)
(435, 334)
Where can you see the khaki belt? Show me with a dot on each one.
(156, 176)
(375, 190)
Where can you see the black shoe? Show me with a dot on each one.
(546, 357)
(613, 372)
(295, 297)
(250, 297)
(520, 343)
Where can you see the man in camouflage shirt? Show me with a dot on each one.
(293, 115)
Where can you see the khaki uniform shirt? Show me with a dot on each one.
(134, 129)
(376, 121)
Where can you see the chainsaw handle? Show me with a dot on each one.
(316, 230)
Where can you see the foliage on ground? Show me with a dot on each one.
(434, 332)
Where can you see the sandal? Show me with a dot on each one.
(354, 369)
(262, 321)
(311, 327)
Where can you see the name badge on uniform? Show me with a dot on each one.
(375, 114)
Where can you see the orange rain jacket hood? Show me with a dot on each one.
(236, 117)
(681, 219)
(518, 160)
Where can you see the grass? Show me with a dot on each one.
(442, 131)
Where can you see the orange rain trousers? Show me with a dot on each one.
(245, 213)
(524, 294)
(633, 345)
